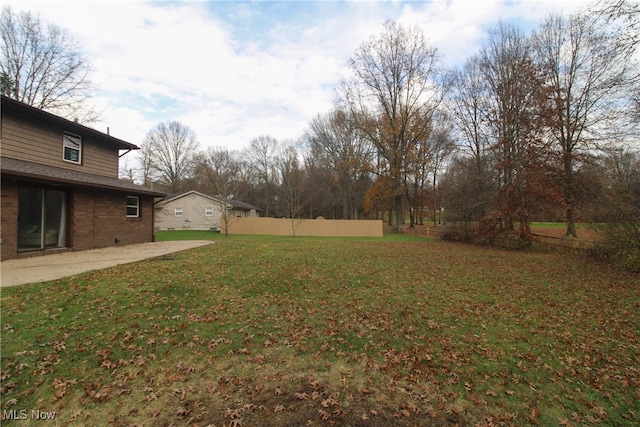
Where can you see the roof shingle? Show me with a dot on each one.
(40, 172)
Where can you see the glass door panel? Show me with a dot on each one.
(42, 218)
(55, 219)
(30, 218)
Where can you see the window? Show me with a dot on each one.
(133, 207)
(72, 148)
(208, 211)
(178, 212)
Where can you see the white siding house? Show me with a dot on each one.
(198, 211)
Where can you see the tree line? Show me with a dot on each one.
(538, 125)
(535, 126)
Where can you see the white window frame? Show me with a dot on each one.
(208, 211)
(69, 143)
(178, 212)
(131, 205)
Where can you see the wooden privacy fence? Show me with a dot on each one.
(306, 227)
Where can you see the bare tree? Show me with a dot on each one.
(321, 195)
(623, 18)
(621, 243)
(291, 184)
(335, 143)
(392, 94)
(516, 96)
(441, 149)
(223, 170)
(261, 153)
(42, 66)
(126, 171)
(145, 158)
(470, 103)
(170, 148)
(470, 97)
(589, 68)
(460, 201)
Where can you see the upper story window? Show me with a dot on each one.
(208, 211)
(72, 148)
(133, 206)
(178, 212)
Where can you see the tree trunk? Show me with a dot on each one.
(571, 222)
(397, 201)
(569, 195)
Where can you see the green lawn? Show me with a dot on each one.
(310, 331)
(167, 235)
(552, 225)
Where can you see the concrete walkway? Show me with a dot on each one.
(50, 267)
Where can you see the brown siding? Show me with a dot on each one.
(21, 139)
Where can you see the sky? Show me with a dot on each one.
(232, 71)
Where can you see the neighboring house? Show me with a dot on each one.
(198, 211)
(60, 187)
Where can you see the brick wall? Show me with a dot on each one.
(96, 218)
(9, 221)
(99, 219)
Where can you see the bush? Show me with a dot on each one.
(483, 234)
(464, 233)
(621, 247)
(511, 241)
(493, 232)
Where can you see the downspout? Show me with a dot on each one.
(153, 221)
(153, 217)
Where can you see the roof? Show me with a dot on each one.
(243, 205)
(235, 203)
(172, 197)
(9, 104)
(46, 173)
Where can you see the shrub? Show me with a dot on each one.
(493, 231)
(511, 241)
(458, 232)
(620, 247)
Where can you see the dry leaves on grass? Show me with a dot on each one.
(330, 332)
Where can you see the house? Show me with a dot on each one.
(199, 211)
(60, 188)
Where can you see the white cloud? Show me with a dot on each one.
(234, 71)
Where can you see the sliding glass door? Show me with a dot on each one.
(42, 218)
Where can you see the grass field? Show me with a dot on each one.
(302, 331)
(167, 235)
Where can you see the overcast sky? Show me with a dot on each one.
(232, 71)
